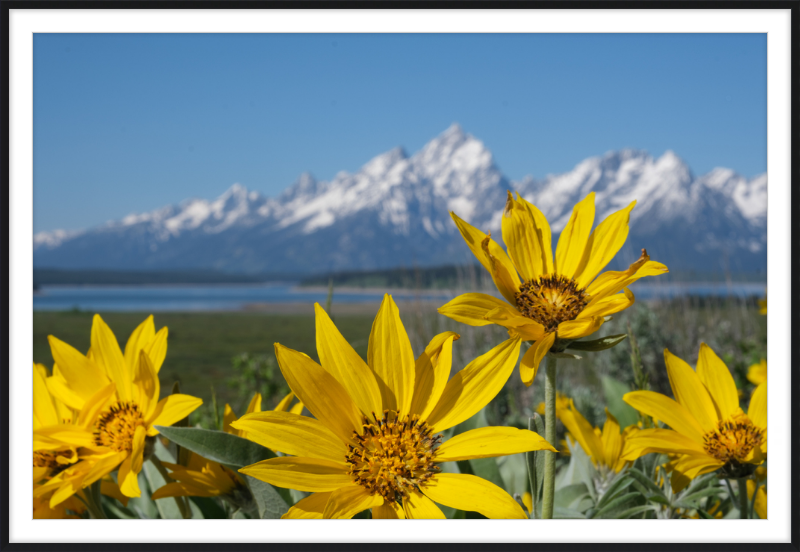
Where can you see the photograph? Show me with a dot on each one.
(399, 276)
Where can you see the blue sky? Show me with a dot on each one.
(128, 123)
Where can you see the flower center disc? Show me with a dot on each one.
(50, 459)
(117, 425)
(393, 456)
(733, 440)
(551, 300)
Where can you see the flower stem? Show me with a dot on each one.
(549, 482)
(744, 505)
(93, 501)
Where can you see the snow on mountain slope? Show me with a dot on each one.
(395, 211)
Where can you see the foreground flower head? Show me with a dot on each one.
(116, 396)
(604, 447)
(550, 297)
(373, 442)
(709, 431)
(205, 478)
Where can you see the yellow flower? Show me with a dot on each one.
(708, 428)
(762, 306)
(372, 442)
(603, 447)
(547, 297)
(201, 477)
(757, 373)
(562, 401)
(116, 396)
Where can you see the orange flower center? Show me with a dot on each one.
(393, 456)
(117, 425)
(551, 300)
(53, 459)
(733, 439)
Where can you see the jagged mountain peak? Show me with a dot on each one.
(394, 210)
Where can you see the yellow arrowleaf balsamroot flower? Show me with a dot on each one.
(757, 373)
(603, 447)
(117, 397)
(708, 428)
(549, 297)
(373, 442)
(201, 477)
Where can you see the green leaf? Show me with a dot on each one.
(618, 505)
(565, 355)
(167, 507)
(570, 496)
(209, 507)
(566, 513)
(270, 503)
(598, 344)
(143, 505)
(620, 483)
(625, 414)
(230, 450)
(630, 512)
(691, 501)
(647, 482)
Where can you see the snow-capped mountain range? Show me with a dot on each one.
(395, 212)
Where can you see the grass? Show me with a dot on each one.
(200, 345)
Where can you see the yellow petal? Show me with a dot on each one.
(110, 488)
(228, 417)
(340, 359)
(419, 506)
(129, 479)
(475, 240)
(757, 411)
(157, 349)
(573, 239)
(388, 510)
(543, 232)
(283, 406)
(292, 434)
(104, 465)
(760, 504)
(486, 442)
(472, 494)
(690, 466)
(666, 441)
(255, 404)
(311, 507)
(297, 409)
(107, 354)
(44, 410)
(172, 409)
(391, 358)
(611, 282)
(96, 404)
(58, 388)
(431, 372)
(346, 502)
(668, 411)
(719, 382)
(319, 391)
(83, 376)
(523, 240)
(583, 432)
(529, 365)
(472, 308)
(757, 373)
(179, 489)
(473, 387)
(502, 271)
(137, 451)
(690, 392)
(612, 441)
(139, 339)
(57, 436)
(146, 384)
(300, 473)
(603, 244)
(580, 327)
(608, 305)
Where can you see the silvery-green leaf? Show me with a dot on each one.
(600, 344)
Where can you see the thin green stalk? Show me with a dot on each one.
(549, 484)
(530, 458)
(93, 501)
(743, 503)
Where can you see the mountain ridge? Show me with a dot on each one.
(395, 211)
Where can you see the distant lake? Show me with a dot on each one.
(236, 296)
